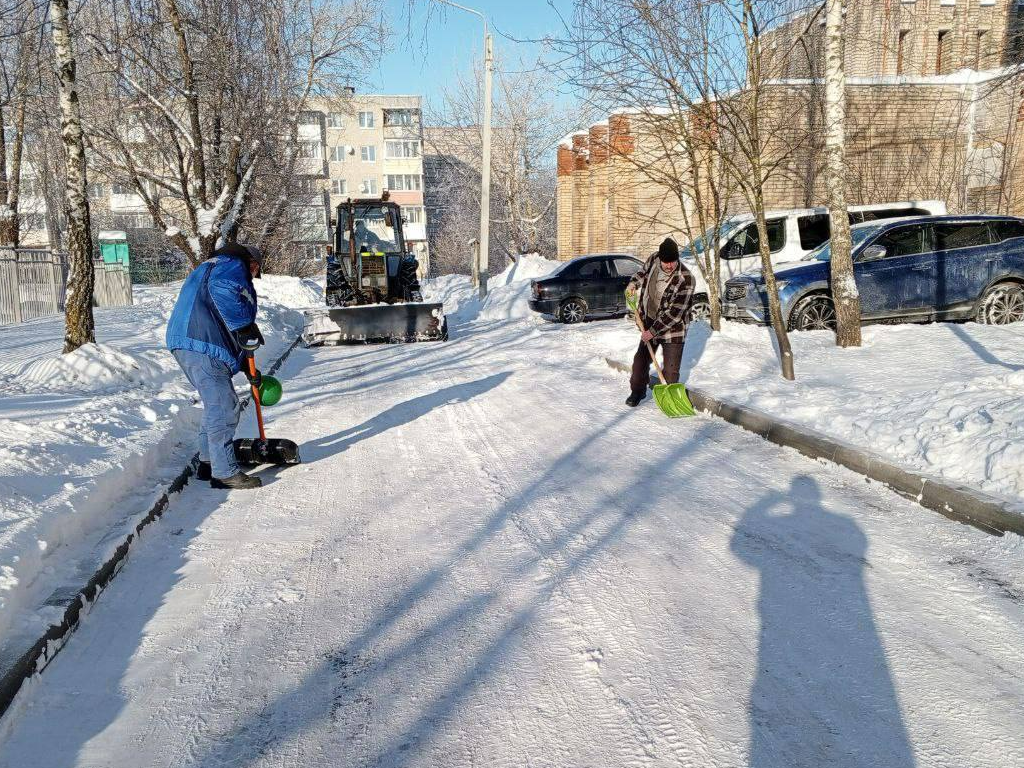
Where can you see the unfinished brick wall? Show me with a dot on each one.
(890, 37)
(564, 186)
(581, 192)
(597, 225)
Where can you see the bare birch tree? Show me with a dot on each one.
(79, 325)
(196, 105)
(705, 57)
(845, 297)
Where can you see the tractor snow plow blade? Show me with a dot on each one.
(381, 323)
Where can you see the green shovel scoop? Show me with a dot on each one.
(671, 398)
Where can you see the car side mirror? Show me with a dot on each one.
(872, 253)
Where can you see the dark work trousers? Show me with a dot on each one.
(672, 355)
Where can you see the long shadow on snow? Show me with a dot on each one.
(63, 744)
(823, 696)
(398, 415)
(980, 349)
(338, 682)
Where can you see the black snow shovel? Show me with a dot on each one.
(254, 451)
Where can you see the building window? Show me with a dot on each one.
(132, 221)
(309, 150)
(337, 154)
(305, 186)
(309, 223)
(335, 120)
(401, 117)
(901, 51)
(29, 222)
(309, 118)
(368, 154)
(404, 182)
(944, 53)
(413, 214)
(122, 189)
(394, 149)
(95, 190)
(981, 49)
(339, 187)
(368, 187)
(366, 120)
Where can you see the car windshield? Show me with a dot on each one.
(697, 244)
(857, 234)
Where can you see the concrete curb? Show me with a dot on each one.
(987, 512)
(46, 648)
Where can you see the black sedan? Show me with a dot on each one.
(586, 286)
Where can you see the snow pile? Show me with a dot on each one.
(508, 292)
(89, 439)
(93, 368)
(293, 292)
(943, 398)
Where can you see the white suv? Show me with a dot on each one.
(792, 234)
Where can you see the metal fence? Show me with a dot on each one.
(33, 283)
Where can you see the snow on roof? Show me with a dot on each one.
(112, 234)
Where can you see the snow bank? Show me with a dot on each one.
(508, 292)
(943, 398)
(88, 440)
(93, 368)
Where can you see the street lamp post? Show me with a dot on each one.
(485, 169)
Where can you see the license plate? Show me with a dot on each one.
(729, 309)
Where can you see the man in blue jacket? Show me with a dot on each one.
(211, 332)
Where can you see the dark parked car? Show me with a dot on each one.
(913, 269)
(585, 287)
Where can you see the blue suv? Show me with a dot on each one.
(910, 269)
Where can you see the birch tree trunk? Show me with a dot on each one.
(844, 287)
(79, 326)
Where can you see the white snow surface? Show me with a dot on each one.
(507, 292)
(89, 440)
(486, 559)
(943, 398)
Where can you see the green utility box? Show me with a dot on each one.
(114, 247)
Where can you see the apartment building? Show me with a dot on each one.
(355, 149)
(934, 110)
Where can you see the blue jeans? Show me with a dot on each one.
(221, 409)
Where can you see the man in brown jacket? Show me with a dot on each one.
(665, 295)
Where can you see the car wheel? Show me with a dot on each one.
(572, 311)
(814, 313)
(1001, 305)
(699, 310)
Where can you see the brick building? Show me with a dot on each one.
(934, 109)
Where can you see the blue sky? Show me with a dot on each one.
(430, 50)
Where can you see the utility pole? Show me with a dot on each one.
(483, 244)
(485, 170)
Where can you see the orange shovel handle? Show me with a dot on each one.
(256, 398)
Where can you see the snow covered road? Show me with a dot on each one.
(487, 560)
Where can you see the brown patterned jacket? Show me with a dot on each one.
(670, 322)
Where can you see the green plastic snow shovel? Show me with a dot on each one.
(671, 398)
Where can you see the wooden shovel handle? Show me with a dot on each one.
(650, 349)
(256, 398)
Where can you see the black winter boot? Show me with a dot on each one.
(635, 399)
(204, 472)
(239, 480)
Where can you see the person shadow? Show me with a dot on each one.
(823, 695)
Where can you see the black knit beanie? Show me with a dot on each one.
(668, 250)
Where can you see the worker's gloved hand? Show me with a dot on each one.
(254, 378)
(249, 338)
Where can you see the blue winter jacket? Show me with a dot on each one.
(217, 298)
